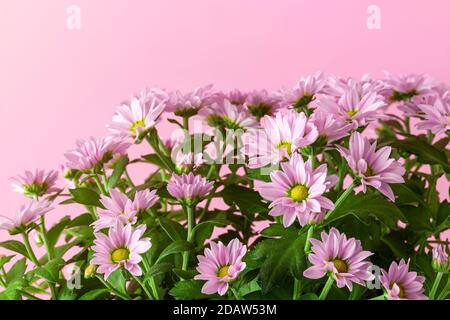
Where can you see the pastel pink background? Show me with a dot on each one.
(57, 85)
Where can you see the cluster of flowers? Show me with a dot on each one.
(290, 135)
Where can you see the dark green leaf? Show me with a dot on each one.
(15, 246)
(94, 294)
(119, 169)
(54, 233)
(175, 247)
(185, 274)
(16, 271)
(158, 269)
(248, 200)
(174, 230)
(86, 196)
(188, 290)
(50, 271)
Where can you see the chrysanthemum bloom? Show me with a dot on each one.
(304, 92)
(260, 103)
(296, 190)
(374, 167)
(135, 119)
(401, 284)
(343, 258)
(280, 136)
(407, 90)
(185, 160)
(35, 184)
(94, 153)
(118, 209)
(189, 188)
(144, 200)
(235, 96)
(329, 128)
(352, 107)
(436, 118)
(187, 105)
(122, 247)
(441, 261)
(363, 86)
(226, 115)
(220, 265)
(27, 214)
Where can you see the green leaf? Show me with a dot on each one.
(425, 152)
(54, 233)
(281, 257)
(157, 269)
(175, 247)
(309, 296)
(119, 169)
(188, 290)
(442, 220)
(50, 271)
(94, 294)
(17, 271)
(259, 174)
(12, 290)
(174, 230)
(153, 159)
(84, 219)
(15, 246)
(362, 206)
(216, 222)
(4, 260)
(86, 196)
(118, 281)
(248, 200)
(185, 274)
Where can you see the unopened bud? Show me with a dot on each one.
(90, 270)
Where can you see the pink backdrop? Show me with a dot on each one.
(57, 85)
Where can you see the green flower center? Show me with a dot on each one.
(340, 265)
(120, 254)
(223, 271)
(352, 112)
(137, 124)
(285, 145)
(403, 96)
(299, 193)
(303, 101)
(260, 110)
(35, 189)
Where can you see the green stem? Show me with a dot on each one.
(117, 293)
(341, 199)
(148, 294)
(379, 298)
(128, 178)
(186, 123)
(326, 288)
(30, 251)
(435, 286)
(308, 236)
(45, 240)
(445, 292)
(151, 281)
(297, 289)
(190, 212)
(100, 185)
(236, 294)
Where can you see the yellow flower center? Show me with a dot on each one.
(137, 124)
(299, 193)
(352, 112)
(285, 145)
(223, 271)
(120, 254)
(340, 265)
(369, 172)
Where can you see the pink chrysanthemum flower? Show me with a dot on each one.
(329, 128)
(122, 247)
(35, 184)
(296, 190)
(94, 153)
(441, 260)
(235, 96)
(407, 90)
(436, 118)
(137, 118)
(304, 92)
(144, 200)
(401, 284)
(280, 136)
(224, 114)
(374, 167)
(364, 86)
(260, 103)
(353, 108)
(187, 105)
(189, 188)
(343, 258)
(27, 214)
(220, 265)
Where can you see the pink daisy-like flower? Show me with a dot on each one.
(280, 136)
(93, 153)
(364, 86)
(407, 90)
(122, 247)
(352, 107)
(297, 190)
(329, 128)
(401, 284)
(144, 200)
(260, 103)
(186, 105)
(189, 188)
(26, 215)
(235, 96)
(304, 92)
(441, 260)
(220, 265)
(436, 117)
(136, 119)
(35, 184)
(226, 115)
(374, 167)
(343, 258)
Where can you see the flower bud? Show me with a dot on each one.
(90, 270)
(440, 258)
